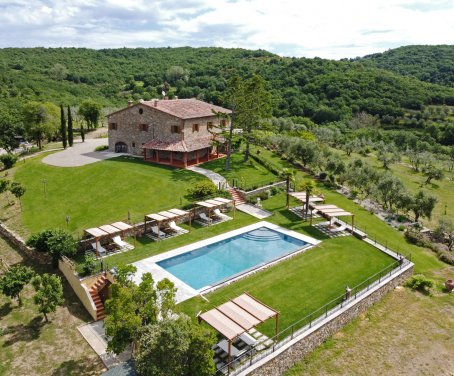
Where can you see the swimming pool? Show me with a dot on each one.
(214, 263)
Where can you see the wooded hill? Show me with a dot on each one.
(433, 64)
(323, 90)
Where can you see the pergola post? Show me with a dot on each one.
(234, 209)
(157, 155)
(353, 222)
(190, 219)
(312, 211)
(230, 349)
(277, 327)
(97, 250)
(145, 225)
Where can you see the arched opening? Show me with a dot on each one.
(121, 147)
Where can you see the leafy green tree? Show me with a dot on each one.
(70, 128)
(48, 293)
(445, 232)
(4, 188)
(90, 111)
(433, 173)
(58, 72)
(131, 307)
(17, 190)
(389, 189)
(8, 160)
(13, 281)
(423, 205)
(387, 154)
(9, 129)
(252, 104)
(175, 73)
(40, 120)
(176, 347)
(305, 151)
(55, 242)
(63, 127)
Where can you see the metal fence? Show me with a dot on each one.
(254, 355)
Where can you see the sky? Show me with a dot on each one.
(331, 29)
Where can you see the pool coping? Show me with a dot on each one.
(184, 291)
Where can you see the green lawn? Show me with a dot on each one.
(99, 193)
(248, 173)
(302, 284)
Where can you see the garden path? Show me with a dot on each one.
(217, 179)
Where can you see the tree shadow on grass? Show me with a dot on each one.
(83, 366)
(24, 333)
(5, 309)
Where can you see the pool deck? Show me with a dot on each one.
(184, 291)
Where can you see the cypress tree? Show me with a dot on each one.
(70, 127)
(63, 127)
(82, 132)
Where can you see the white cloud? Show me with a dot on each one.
(331, 29)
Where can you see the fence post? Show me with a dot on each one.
(292, 331)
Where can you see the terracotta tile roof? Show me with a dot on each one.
(185, 108)
(181, 146)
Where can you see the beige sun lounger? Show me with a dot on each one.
(248, 339)
(122, 244)
(176, 228)
(157, 232)
(205, 218)
(101, 250)
(218, 213)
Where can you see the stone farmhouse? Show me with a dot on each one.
(177, 132)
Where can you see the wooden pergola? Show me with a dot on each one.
(108, 231)
(237, 316)
(301, 196)
(165, 216)
(215, 203)
(332, 211)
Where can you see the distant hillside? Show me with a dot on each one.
(323, 90)
(433, 64)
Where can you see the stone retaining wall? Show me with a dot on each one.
(246, 194)
(282, 359)
(18, 244)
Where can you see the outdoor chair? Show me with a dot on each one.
(101, 250)
(205, 218)
(157, 232)
(248, 339)
(339, 229)
(176, 228)
(122, 244)
(234, 352)
(220, 215)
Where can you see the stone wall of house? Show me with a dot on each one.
(158, 124)
(291, 353)
(18, 244)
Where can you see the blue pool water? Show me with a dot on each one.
(210, 265)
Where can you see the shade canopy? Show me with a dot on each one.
(215, 202)
(178, 212)
(301, 196)
(156, 217)
(205, 204)
(96, 232)
(237, 316)
(223, 200)
(122, 226)
(168, 214)
(109, 229)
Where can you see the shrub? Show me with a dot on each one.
(101, 148)
(419, 282)
(401, 228)
(56, 243)
(275, 191)
(89, 265)
(446, 256)
(401, 218)
(202, 189)
(8, 160)
(263, 196)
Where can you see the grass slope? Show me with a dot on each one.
(99, 193)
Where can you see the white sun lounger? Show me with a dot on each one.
(122, 244)
(248, 339)
(155, 230)
(338, 229)
(101, 250)
(234, 352)
(176, 228)
(218, 213)
(205, 218)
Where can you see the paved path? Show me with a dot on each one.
(254, 211)
(217, 179)
(95, 335)
(80, 154)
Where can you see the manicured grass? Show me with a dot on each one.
(99, 193)
(304, 283)
(248, 173)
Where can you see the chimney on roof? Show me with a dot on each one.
(130, 103)
(155, 103)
